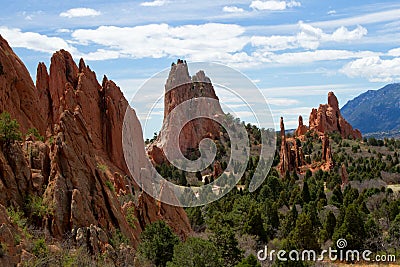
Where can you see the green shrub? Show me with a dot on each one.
(3, 249)
(37, 208)
(110, 185)
(196, 252)
(9, 129)
(17, 217)
(157, 243)
(130, 217)
(102, 167)
(17, 239)
(40, 248)
(35, 133)
(118, 239)
(250, 261)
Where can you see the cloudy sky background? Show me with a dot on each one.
(295, 51)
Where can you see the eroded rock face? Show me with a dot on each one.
(180, 87)
(301, 129)
(291, 156)
(10, 253)
(344, 175)
(79, 171)
(327, 119)
(327, 153)
(89, 144)
(18, 95)
(15, 174)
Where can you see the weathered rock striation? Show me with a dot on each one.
(18, 95)
(291, 156)
(327, 153)
(180, 87)
(301, 129)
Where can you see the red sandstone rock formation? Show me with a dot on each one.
(327, 119)
(18, 95)
(291, 156)
(301, 129)
(180, 87)
(217, 170)
(327, 153)
(82, 154)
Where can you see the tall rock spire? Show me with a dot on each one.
(327, 119)
(180, 87)
(301, 129)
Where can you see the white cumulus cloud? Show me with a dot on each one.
(154, 3)
(343, 34)
(162, 40)
(394, 52)
(80, 12)
(232, 9)
(35, 41)
(308, 37)
(374, 68)
(273, 5)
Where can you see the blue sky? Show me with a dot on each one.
(295, 51)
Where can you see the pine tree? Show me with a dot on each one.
(304, 234)
(196, 252)
(157, 243)
(250, 261)
(289, 223)
(352, 228)
(198, 176)
(226, 242)
(305, 194)
(182, 179)
(330, 224)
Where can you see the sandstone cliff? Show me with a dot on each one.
(79, 171)
(18, 94)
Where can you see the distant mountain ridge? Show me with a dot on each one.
(375, 111)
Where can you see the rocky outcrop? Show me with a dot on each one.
(327, 119)
(15, 176)
(291, 156)
(180, 87)
(89, 144)
(10, 253)
(18, 95)
(327, 153)
(301, 129)
(79, 171)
